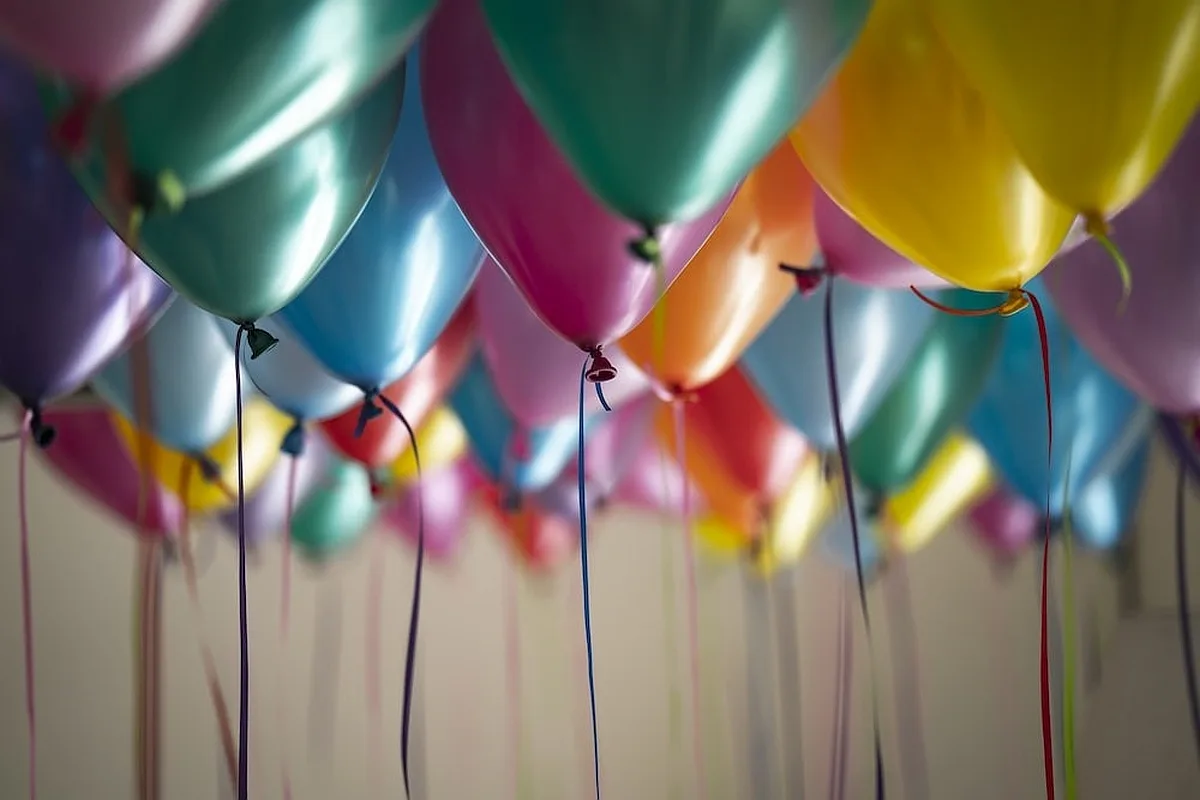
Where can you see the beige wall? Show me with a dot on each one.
(977, 646)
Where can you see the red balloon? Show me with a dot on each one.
(541, 540)
(416, 395)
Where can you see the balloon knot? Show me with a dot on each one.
(43, 434)
(163, 193)
(646, 248)
(1098, 228)
(808, 279)
(873, 507)
(601, 369)
(208, 468)
(1096, 225)
(378, 489)
(368, 411)
(602, 501)
(293, 440)
(259, 341)
(510, 500)
(70, 132)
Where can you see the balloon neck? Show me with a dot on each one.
(646, 248)
(259, 341)
(368, 411)
(808, 279)
(1096, 225)
(600, 370)
(293, 440)
(41, 433)
(208, 468)
(70, 132)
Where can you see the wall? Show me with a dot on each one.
(975, 639)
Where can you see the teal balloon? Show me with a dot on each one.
(662, 106)
(190, 380)
(382, 299)
(245, 250)
(260, 74)
(933, 396)
(1104, 511)
(523, 460)
(336, 514)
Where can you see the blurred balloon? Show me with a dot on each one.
(954, 479)
(1094, 98)
(243, 251)
(733, 286)
(876, 331)
(934, 394)
(445, 495)
(573, 266)
(540, 540)
(1092, 413)
(417, 394)
(190, 381)
(1151, 342)
(670, 147)
(910, 148)
(389, 289)
(101, 46)
(521, 459)
(292, 379)
(796, 518)
(337, 513)
(207, 482)
(442, 442)
(536, 371)
(1004, 521)
(89, 453)
(71, 295)
(837, 541)
(655, 482)
(260, 75)
(1104, 511)
(267, 508)
(848, 251)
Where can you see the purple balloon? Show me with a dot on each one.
(446, 500)
(1005, 522)
(1154, 346)
(71, 294)
(267, 508)
(91, 455)
(853, 253)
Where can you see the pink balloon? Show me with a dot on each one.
(535, 370)
(654, 482)
(856, 255)
(446, 494)
(1005, 522)
(90, 454)
(568, 255)
(101, 45)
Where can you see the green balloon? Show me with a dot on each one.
(245, 250)
(664, 106)
(932, 397)
(336, 514)
(259, 74)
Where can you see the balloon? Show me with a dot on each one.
(266, 513)
(1093, 97)
(261, 75)
(902, 141)
(446, 504)
(190, 380)
(662, 115)
(442, 442)
(416, 394)
(391, 287)
(102, 46)
(849, 251)
(89, 453)
(568, 255)
(934, 394)
(1092, 413)
(1104, 511)
(837, 541)
(875, 331)
(655, 482)
(1152, 344)
(520, 459)
(337, 513)
(536, 371)
(797, 517)
(1004, 521)
(956, 476)
(184, 475)
(540, 539)
(71, 295)
(246, 249)
(732, 287)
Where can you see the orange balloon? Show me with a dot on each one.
(733, 287)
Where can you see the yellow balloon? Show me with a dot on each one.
(1095, 95)
(441, 440)
(719, 538)
(264, 429)
(903, 142)
(796, 517)
(957, 475)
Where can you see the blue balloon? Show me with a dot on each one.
(1103, 512)
(837, 540)
(384, 296)
(1092, 412)
(292, 379)
(525, 466)
(192, 386)
(876, 331)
